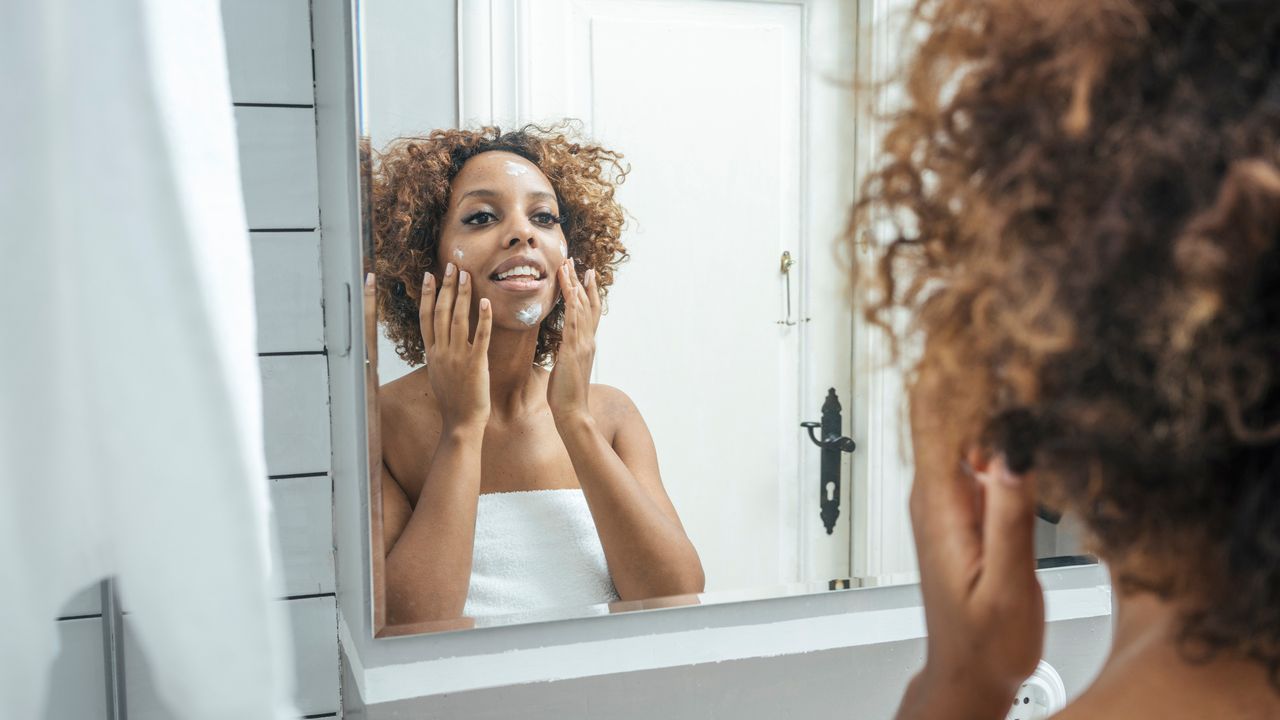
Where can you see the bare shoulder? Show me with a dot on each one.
(612, 408)
(404, 393)
(611, 401)
(408, 420)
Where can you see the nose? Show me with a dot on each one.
(522, 233)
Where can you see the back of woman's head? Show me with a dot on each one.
(1085, 199)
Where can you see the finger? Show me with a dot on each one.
(444, 304)
(570, 297)
(583, 308)
(1008, 528)
(593, 296)
(589, 301)
(461, 327)
(370, 320)
(944, 516)
(573, 273)
(426, 310)
(564, 283)
(484, 328)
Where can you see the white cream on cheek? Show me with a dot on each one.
(564, 249)
(458, 254)
(515, 169)
(530, 315)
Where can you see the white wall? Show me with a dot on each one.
(411, 83)
(410, 88)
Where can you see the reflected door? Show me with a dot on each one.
(733, 119)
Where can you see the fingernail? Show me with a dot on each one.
(484, 303)
(428, 278)
(462, 278)
(1000, 469)
(591, 275)
(448, 270)
(368, 280)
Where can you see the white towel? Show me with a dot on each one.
(534, 550)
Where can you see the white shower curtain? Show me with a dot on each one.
(130, 409)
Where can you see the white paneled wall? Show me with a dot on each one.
(270, 64)
(287, 290)
(295, 405)
(304, 525)
(278, 166)
(269, 51)
(77, 681)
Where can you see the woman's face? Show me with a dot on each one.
(502, 227)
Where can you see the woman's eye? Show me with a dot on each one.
(479, 218)
(546, 218)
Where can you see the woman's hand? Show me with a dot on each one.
(974, 524)
(370, 323)
(457, 367)
(571, 376)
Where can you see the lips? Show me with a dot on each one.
(522, 273)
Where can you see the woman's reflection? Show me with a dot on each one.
(509, 482)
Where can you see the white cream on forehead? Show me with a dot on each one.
(530, 315)
(515, 169)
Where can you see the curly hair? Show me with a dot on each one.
(409, 196)
(1081, 206)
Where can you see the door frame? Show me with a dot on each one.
(882, 544)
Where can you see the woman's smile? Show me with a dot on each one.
(519, 274)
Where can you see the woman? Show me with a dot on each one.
(1087, 201)
(510, 482)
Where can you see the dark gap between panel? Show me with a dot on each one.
(308, 597)
(273, 105)
(297, 475)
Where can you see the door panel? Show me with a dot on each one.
(710, 101)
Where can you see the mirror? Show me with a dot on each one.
(723, 426)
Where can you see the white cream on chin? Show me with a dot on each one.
(515, 169)
(530, 315)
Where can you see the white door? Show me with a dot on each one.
(740, 139)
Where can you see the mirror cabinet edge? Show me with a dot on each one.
(337, 127)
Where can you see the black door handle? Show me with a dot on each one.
(832, 444)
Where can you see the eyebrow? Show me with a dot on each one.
(487, 193)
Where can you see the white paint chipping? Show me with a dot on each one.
(530, 315)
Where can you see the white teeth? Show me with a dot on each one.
(520, 271)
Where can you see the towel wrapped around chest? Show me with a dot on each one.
(535, 550)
